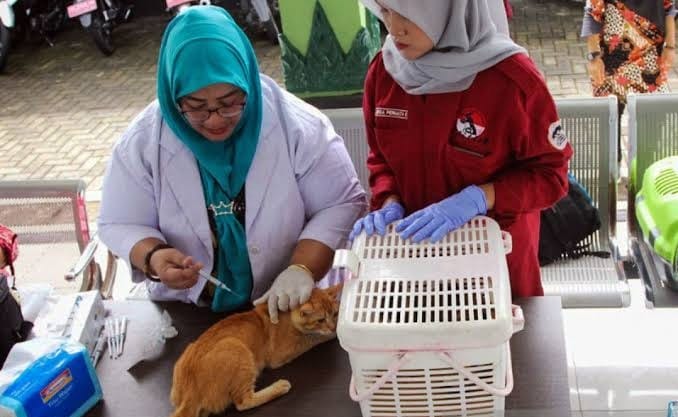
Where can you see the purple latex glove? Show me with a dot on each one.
(439, 219)
(378, 220)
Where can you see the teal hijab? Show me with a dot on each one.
(204, 46)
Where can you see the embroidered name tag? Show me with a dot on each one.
(392, 113)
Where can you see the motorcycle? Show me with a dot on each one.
(261, 14)
(251, 15)
(99, 17)
(27, 18)
(174, 7)
(6, 25)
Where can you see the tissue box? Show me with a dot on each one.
(62, 383)
(78, 317)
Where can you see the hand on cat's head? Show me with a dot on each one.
(320, 313)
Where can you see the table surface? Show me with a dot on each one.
(320, 377)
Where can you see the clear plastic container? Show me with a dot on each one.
(673, 409)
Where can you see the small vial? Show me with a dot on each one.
(339, 275)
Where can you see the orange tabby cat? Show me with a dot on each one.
(222, 365)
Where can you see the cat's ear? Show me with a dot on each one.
(306, 310)
(335, 292)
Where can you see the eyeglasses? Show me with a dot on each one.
(198, 116)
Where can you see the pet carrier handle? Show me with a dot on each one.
(508, 242)
(387, 376)
(344, 258)
(446, 357)
(502, 392)
(518, 318)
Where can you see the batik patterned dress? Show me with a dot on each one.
(631, 46)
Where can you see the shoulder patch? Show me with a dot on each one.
(557, 135)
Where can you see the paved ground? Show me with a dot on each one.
(63, 107)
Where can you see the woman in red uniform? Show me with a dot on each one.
(460, 123)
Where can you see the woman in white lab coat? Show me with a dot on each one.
(229, 174)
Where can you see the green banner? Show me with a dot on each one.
(323, 57)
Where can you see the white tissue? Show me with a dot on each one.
(156, 341)
(33, 300)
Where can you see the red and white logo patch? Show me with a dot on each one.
(557, 135)
(392, 113)
(471, 123)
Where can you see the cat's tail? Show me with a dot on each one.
(174, 396)
(184, 410)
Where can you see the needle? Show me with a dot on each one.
(121, 335)
(99, 347)
(109, 337)
(214, 281)
(116, 337)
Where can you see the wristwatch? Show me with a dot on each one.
(592, 55)
(147, 261)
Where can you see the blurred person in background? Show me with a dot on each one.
(631, 47)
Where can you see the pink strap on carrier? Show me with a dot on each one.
(448, 357)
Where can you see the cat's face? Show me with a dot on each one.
(320, 313)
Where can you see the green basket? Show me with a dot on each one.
(657, 209)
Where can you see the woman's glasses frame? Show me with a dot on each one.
(202, 115)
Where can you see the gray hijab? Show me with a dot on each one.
(465, 43)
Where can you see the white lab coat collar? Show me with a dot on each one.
(257, 181)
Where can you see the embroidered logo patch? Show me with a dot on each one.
(392, 113)
(471, 123)
(557, 136)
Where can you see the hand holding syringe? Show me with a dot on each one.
(179, 271)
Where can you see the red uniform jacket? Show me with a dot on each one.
(503, 129)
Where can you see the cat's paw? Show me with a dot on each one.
(283, 386)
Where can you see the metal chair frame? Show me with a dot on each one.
(14, 194)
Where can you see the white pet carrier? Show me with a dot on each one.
(427, 325)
